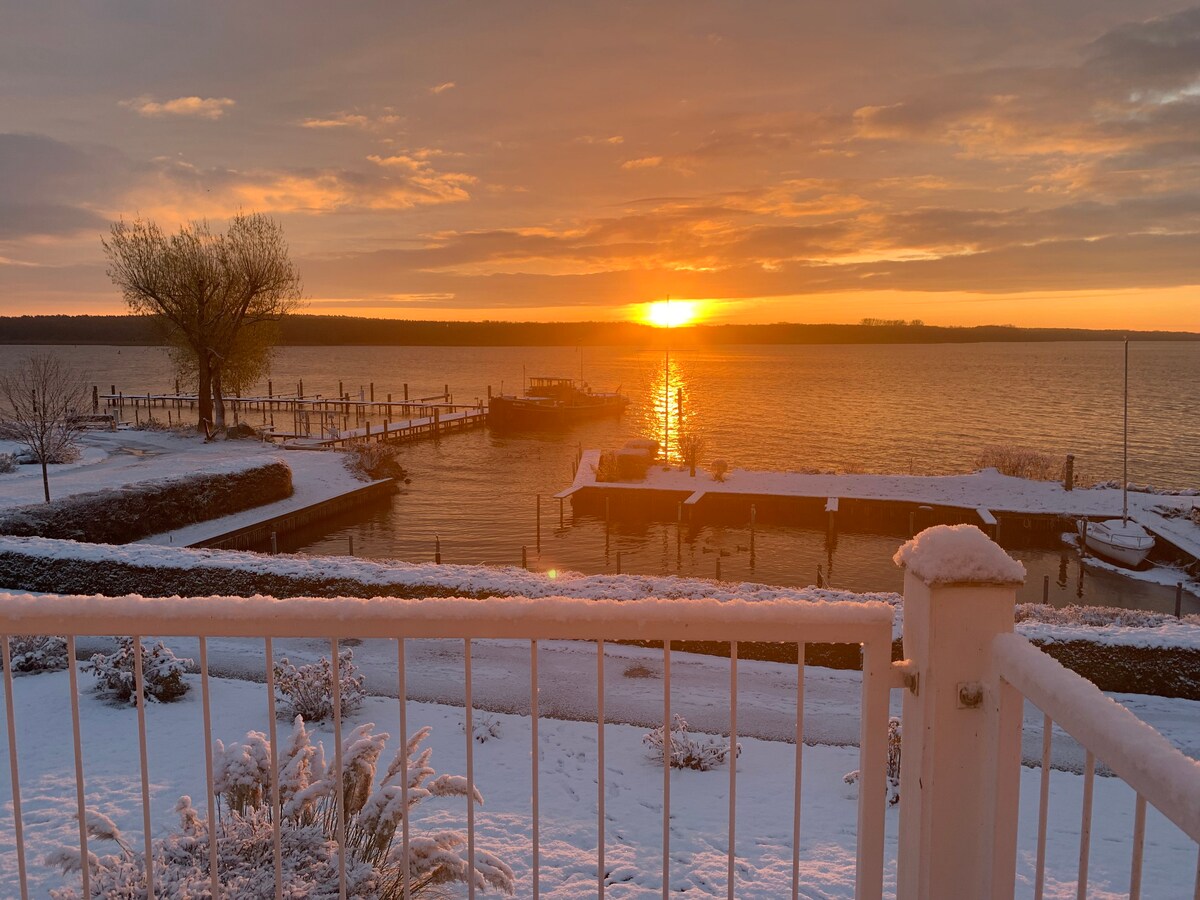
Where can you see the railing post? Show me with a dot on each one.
(961, 724)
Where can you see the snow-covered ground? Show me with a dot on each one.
(113, 459)
(567, 774)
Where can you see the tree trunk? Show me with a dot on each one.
(218, 398)
(45, 479)
(204, 391)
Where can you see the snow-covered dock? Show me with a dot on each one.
(985, 495)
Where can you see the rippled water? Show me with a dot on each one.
(896, 408)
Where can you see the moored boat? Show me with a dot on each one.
(553, 403)
(1121, 540)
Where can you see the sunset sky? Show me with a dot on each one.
(1024, 161)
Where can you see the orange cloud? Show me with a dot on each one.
(195, 107)
(443, 87)
(646, 162)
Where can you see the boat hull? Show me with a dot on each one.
(518, 413)
(1126, 545)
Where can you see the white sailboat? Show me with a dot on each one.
(1120, 539)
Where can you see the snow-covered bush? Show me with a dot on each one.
(719, 469)
(370, 462)
(8, 463)
(308, 828)
(485, 726)
(1021, 462)
(691, 445)
(893, 763)
(37, 652)
(308, 690)
(162, 672)
(639, 670)
(687, 750)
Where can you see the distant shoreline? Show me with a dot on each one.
(347, 331)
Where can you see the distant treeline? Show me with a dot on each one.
(303, 330)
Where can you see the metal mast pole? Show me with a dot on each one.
(1125, 445)
(667, 389)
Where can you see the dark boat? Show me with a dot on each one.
(553, 403)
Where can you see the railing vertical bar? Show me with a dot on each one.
(276, 806)
(339, 780)
(1039, 883)
(872, 754)
(80, 796)
(470, 729)
(1139, 842)
(206, 706)
(668, 747)
(1196, 889)
(534, 752)
(1085, 826)
(733, 733)
(139, 688)
(402, 693)
(9, 703)
(600, 823)
(799, 769)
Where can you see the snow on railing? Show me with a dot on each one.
(1157, 772)
(774, 621)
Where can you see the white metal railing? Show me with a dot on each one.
(778, 621)
(1158, 773)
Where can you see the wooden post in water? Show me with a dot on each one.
(95, 399)
(274, 543)
(406, 392)
(301, 395)
(618, 562)
(437, 549)
(350, 542)
(1069, 473)
(1045, 588)
(1179, 600)
(718, 565)
(270, 389)
(524, 557)
(372, 392)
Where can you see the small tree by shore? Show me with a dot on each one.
(44, 401)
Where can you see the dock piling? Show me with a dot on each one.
(524, 557)
(560, 512)
(1179, 600)
(437, 549)
(350, 542)
(1045, 588)
(406, 392)
(718, 567)
(274, 543)
(619, 562)
(1069, 473)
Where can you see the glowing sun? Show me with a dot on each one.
(671, 313)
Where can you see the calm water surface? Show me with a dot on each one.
(896, 408)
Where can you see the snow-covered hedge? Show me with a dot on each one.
(135, 511)
(308, 828)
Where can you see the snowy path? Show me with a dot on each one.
(567, 773)
(699, 688)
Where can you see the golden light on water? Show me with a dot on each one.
(671, 313)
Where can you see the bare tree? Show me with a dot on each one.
(207, 288)
(44, 407)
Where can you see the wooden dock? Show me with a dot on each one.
(315, 421)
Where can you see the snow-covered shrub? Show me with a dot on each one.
(370, 462)
(605, 469)
(308, 690)
(691, 445)
(687, 750)
(162, 672)
(1021, 462)
(308, 828)
(37, 652)
(8, 463)
(719, 469)
(485, 726)
(639, 670)
(893, 763)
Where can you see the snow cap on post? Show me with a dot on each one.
(958, 554)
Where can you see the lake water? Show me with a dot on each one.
(893, 408)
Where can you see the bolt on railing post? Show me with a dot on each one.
(958, 830)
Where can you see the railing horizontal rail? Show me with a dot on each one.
(1133, 750)
(543, 618)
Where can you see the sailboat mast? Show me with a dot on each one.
(1125, 445)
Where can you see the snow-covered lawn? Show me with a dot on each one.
(567, 772)
(113, 459)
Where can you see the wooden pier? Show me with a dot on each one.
(314, 421)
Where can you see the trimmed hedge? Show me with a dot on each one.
(135, 511)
